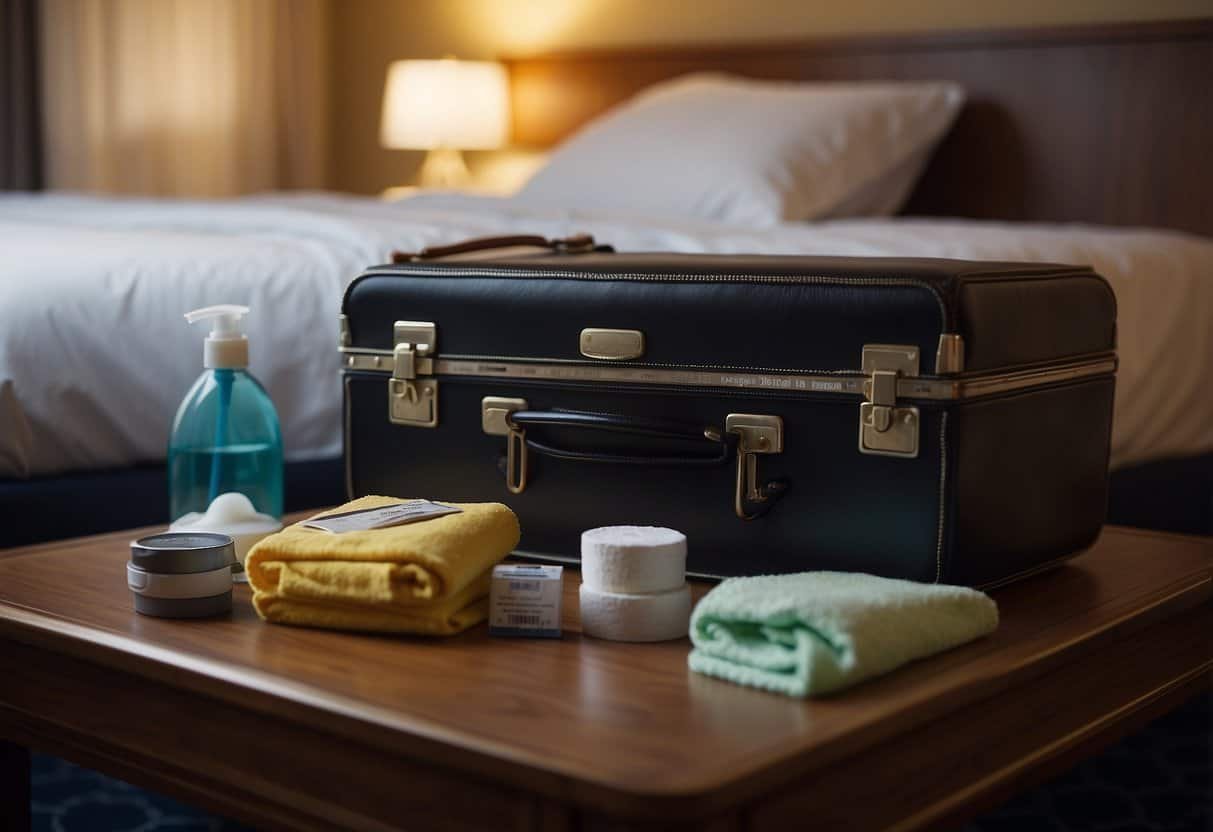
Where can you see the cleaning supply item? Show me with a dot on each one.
(225, 437)
(634, 583)
(231, 514)
(633, 558)
(641, 616)
(181, 575)
(525, 600)
(429, 577)
(190, 585)
(818, 632)
(173, 553)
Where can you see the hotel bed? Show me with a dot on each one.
(95, 356)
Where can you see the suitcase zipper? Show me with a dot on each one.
(464, 269)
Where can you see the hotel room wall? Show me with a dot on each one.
(369, 34)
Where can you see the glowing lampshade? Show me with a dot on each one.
(446, 104)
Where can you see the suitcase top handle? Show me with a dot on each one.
(486, 247)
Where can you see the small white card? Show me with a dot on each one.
(524, 600)
(380, 517)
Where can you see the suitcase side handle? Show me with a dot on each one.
(749, 434)
(618, 423)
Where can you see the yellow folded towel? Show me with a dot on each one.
(429, 577)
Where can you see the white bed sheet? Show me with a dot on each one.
(95, 356)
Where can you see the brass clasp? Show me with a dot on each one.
(756, 434)
(495, 420)
(885, 428)
(413, 398)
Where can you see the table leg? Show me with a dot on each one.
(14, 787)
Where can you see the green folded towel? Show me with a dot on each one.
(818, 632)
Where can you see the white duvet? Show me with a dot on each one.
(95, 354)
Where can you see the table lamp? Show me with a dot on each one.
(445, 106)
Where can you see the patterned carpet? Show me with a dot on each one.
(67, 798)
(1160, 780)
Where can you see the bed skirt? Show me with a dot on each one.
(1174, 495)
(53, 508)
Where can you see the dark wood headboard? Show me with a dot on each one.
(1106, 124)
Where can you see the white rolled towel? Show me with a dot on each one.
(623, 616)
(631, 559)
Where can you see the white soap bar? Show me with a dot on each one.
(620, 616)
(633, 559)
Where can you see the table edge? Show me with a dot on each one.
(365, 722)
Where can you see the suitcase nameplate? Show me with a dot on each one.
(611, 344)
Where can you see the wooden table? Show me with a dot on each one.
(286, 727)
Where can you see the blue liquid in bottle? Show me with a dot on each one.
(225, 438)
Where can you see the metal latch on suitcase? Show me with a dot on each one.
(495, 421)
(412, 395)
(885, 428)
(756, 434)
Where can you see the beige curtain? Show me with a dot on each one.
(184, 97)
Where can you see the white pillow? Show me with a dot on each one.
(750, 152)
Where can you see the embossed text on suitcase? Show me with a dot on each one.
(936, 420)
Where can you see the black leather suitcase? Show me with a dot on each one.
(934, 420)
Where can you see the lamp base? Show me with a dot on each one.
(444, 168)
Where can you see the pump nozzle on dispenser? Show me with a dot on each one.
(225, 444)
(227, 345)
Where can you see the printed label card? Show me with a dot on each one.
(381, 517)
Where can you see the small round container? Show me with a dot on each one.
(182, 574)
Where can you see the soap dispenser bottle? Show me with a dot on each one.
(225, 436)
